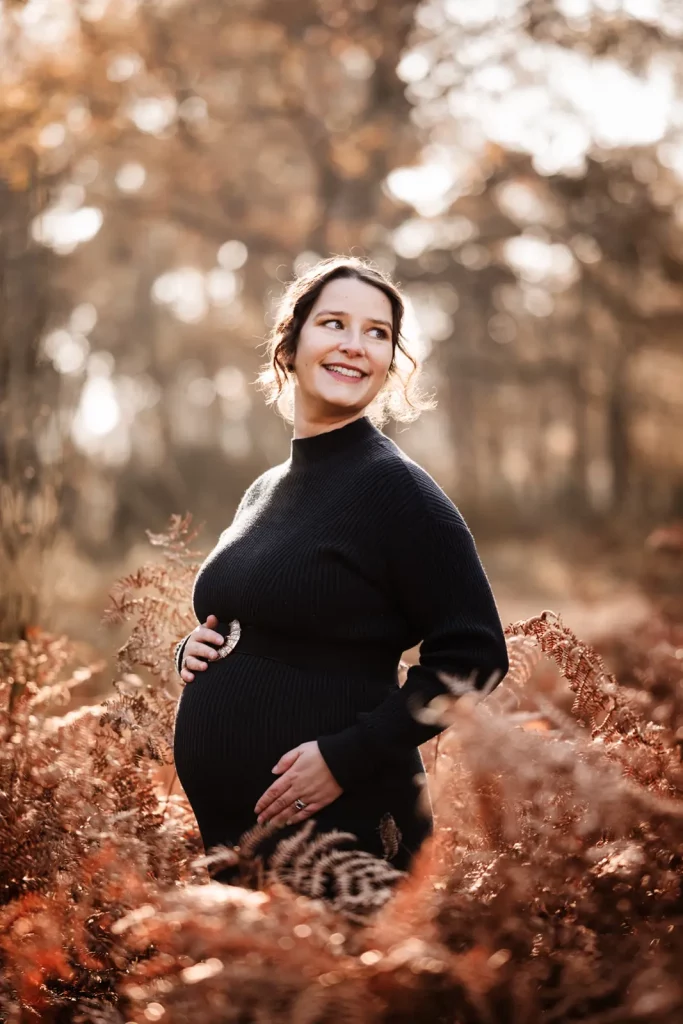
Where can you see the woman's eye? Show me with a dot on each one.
(334, 320)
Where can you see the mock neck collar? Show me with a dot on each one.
(305, 450)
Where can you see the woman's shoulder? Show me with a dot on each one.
(258, 487)
(411, 486)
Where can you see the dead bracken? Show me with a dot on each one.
(553, 880)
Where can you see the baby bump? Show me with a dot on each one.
(242, 713)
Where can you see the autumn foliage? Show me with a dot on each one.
(551, 890)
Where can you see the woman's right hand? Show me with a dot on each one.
(197, 651)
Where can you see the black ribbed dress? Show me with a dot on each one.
(336, 562)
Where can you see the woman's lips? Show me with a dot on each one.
(343, 376)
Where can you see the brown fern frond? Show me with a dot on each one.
(354, 882)
(145, 720)
(177, 538)
(649, 759)
(524, 655)
(157, 598)
(221, 856)
(390, 835)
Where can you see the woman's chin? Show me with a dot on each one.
(342, 401)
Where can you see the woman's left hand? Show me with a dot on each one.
(304, 776)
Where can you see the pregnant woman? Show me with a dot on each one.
(336, 561)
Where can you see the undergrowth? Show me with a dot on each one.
(550, 891)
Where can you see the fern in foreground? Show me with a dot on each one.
(550, 891)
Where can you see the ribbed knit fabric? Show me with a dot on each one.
(350, 541)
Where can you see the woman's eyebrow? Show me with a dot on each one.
(342, 312)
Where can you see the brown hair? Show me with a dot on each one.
(399, 398)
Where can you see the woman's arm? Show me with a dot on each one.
(442, 588)
(179, 652)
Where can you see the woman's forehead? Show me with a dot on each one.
(351, 296)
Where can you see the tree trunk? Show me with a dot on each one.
(28, 393)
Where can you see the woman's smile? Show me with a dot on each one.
(347, 376)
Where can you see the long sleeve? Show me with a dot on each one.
(444, 594)
(179, 651)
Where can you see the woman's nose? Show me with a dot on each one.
(353, 341)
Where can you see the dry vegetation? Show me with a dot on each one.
(551, 891)
(217, 145)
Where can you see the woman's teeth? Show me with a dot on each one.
(342, 374)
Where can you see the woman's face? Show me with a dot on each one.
(349, 324)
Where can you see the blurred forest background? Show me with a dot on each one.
(165, 167)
